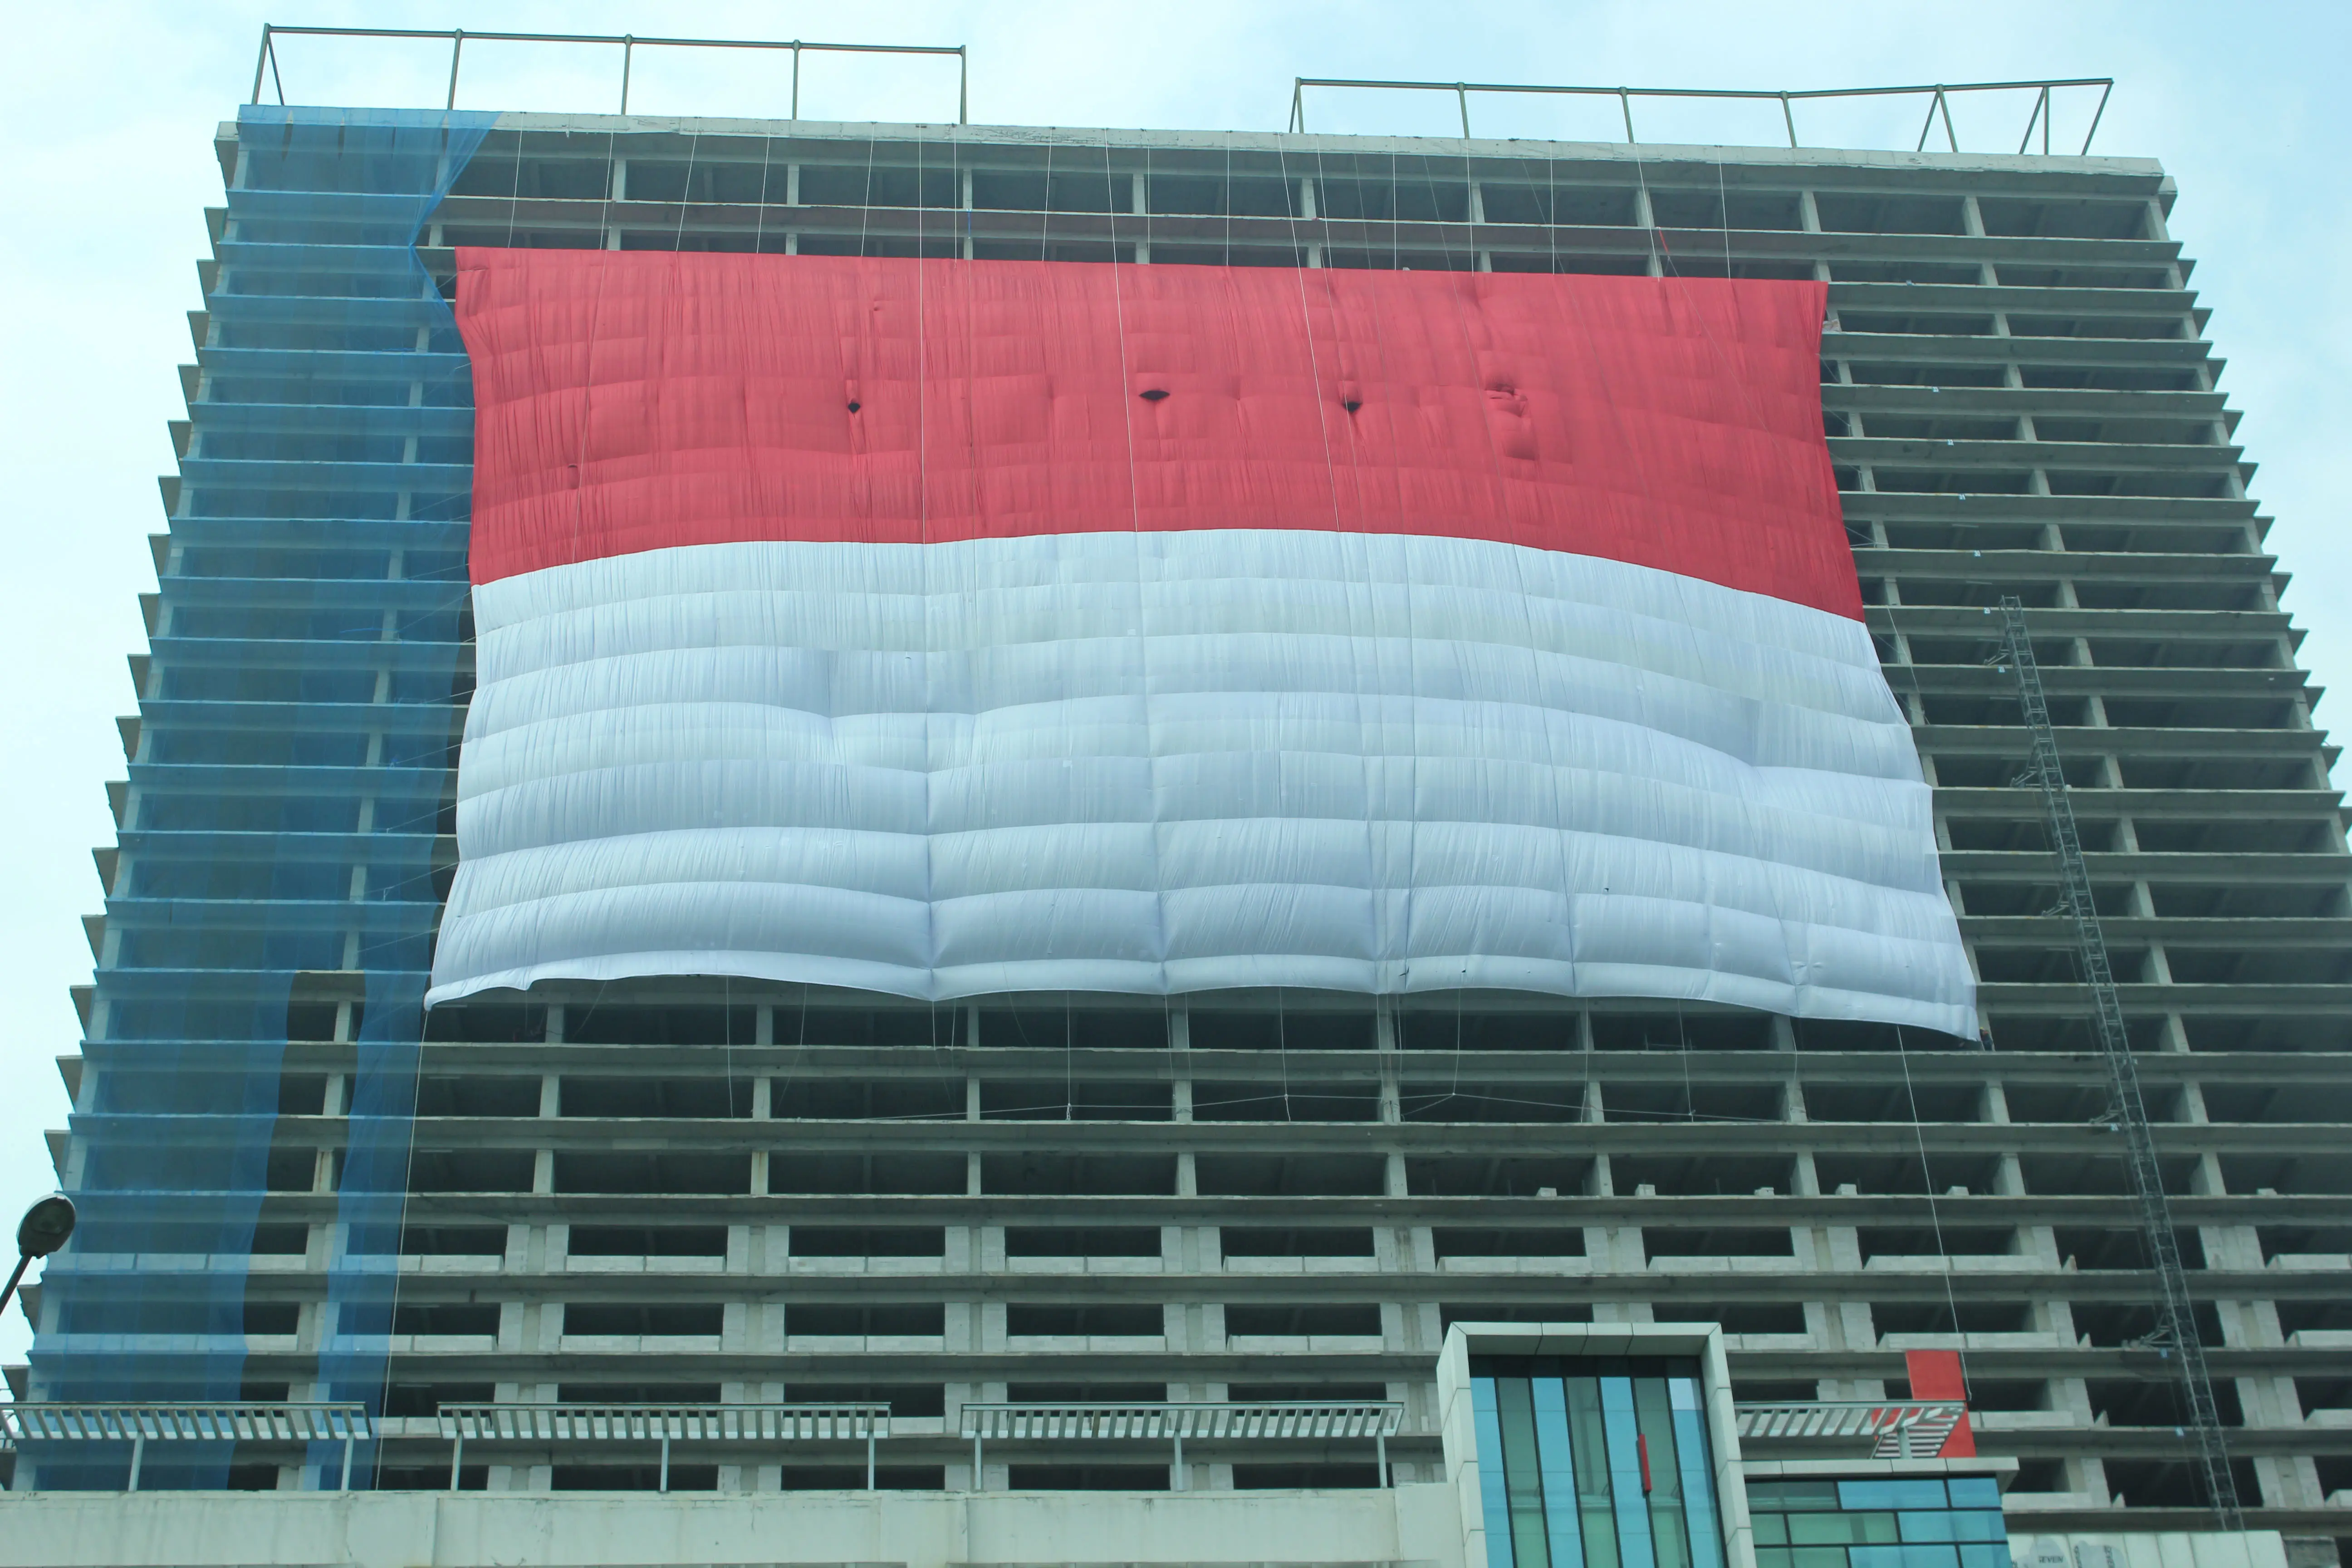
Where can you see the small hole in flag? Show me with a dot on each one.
(1155, 395)
(1352, 405)
(855, 406)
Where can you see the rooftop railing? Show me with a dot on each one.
(1895, 1429)
(1172, 1422)
(266, 67)
(1938, 95)
(226, 1421)
(566, 1423)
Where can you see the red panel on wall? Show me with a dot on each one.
(631, 400)
(1938, 1375)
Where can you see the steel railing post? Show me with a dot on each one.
(628, 59)
(2096, 115)
(138, 1453)
(457, 49)
(260, 61)
(1789, 119)
(457, 1456)
(796, 79)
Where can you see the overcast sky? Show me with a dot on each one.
(115, 105)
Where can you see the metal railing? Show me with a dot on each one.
(1318, 1420)
(1903, 1429)
(228, 1421)
(1938, 96)
(663, 1424)
(265, 65)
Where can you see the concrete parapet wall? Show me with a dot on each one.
(1410, 1524)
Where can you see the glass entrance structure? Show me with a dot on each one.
(1604, 1463)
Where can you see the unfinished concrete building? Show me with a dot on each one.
(728, 1190)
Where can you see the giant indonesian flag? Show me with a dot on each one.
(947, 627)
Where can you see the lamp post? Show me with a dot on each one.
(44, 1229)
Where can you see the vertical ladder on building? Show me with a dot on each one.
(2176, 1327)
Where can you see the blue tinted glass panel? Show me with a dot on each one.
(1632, 1513)
(1891, 1494)
(1494, 1500)
(1555, 1454)
(1904, 1557)
(1697, 1459)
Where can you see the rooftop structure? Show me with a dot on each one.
(298, 1186)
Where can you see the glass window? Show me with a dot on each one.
(1555, 1454)
(1843, 1529)
(1904, 1557)
(1590, 1447)
(1661, 1472)
(1522, 1475)
(1493, 1502)
(1627, 1461)
(1891, 1494)
(1697, 1466)
(1591, 1471)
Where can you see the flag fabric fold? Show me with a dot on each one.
(944, 627)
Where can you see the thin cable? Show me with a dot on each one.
(1516, 554)
(760, 221)
(1142, 633)
(1723, 210)
(1396, 941)
(1225, 198)
(1935, 1218)
(686, 195)
(514, 196)
(1682, 1035)
(1282, 1050)
(866, 208)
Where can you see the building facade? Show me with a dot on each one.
(297, 1185)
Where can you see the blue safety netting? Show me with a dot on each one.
(277, 878)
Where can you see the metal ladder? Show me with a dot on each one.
(2176, 1332)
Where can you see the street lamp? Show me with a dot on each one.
(44, 1229)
